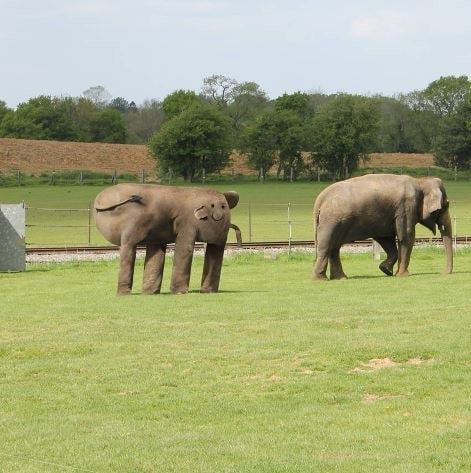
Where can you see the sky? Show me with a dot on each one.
(146, 49)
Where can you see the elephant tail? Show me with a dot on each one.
(316, 224)
(133, 198)
(238, 234)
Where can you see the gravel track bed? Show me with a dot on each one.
(62, 257)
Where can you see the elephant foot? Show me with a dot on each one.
(320, 277)
(338, 276)
(124, 292)
(179, 290)
(150, 292)
(402, 274)
(386, 269)
(207, 290)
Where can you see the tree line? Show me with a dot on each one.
(193, 133)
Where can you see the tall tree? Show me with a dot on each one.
(219, 89)
(344, 130)
(298, 103)
(453, 145)
(446, 94)
(120, 104)
(143, 121)
(195, 139)
(260, 143)
(3, 109)
(40, 118)
(293, 113)
(98, 95)
(248, 101)
(178, 101)
(108, 127)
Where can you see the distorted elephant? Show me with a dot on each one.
(129, 215)
(385, 207)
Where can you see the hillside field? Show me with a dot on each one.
(35, 156)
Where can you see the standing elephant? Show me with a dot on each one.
(383, 207)
(153, 215)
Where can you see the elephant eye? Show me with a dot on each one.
(212, 205)
(223, 206)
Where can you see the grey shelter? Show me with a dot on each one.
(12, 237)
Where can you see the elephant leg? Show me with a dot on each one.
(336, 270)
(405, 243)
(182, 260)
(154, 268)
(320, 265)
(127, 259)
(389, 246)
(212, 267)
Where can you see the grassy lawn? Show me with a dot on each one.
(262, 213)
(276, 373)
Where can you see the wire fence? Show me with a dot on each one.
(48, 227)
(66, 176)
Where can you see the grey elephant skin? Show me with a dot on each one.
(385, 207)
(129, 215)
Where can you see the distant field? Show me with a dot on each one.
(262, 212)
(37, 156)
(276, 373)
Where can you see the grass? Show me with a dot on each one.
(271, 374)
(262, 212)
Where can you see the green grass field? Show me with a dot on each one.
(262, 212)
(275, 373)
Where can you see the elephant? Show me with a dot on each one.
(154, 215)
(384, 207)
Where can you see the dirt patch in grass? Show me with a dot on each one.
(376, 364)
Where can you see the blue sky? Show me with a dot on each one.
(146, 49)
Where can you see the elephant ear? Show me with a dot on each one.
(201, 213)
(232, 198)
(432, 201)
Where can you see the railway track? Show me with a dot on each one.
(463, 240)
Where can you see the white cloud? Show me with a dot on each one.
(388, 24)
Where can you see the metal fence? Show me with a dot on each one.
(292, 221)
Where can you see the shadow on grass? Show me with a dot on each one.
(196, 291)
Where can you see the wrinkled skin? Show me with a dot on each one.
(385, 207)
(129, 215)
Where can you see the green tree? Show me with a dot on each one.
(108, 127)
(4, 110)
(219, 89)
(143, 121)
(453, 145)
(445, 95)
(293, 113)
(260, 143)
(120, 104)
(178, 101)
(248, 101)
(298, 103)
(195, 139)
(344, 130)
(41, 118)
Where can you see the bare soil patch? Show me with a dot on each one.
(35, 156)
(376, 364)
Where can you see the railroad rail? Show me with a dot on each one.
(458, 240)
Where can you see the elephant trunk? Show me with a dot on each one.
(238, 234)
(446, 233)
